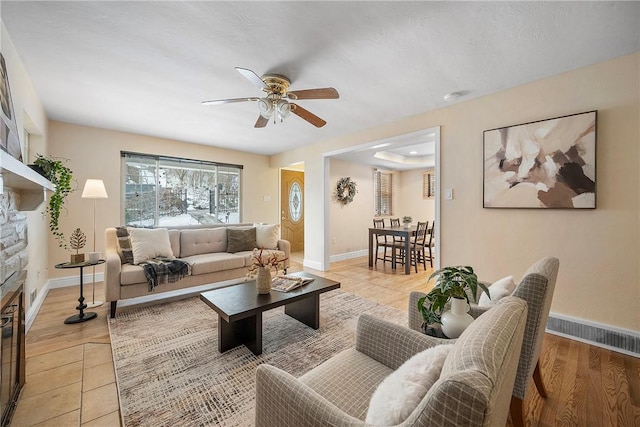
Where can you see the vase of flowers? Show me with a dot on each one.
(406, 220)
(261, 267)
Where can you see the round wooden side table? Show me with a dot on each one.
(82, 316)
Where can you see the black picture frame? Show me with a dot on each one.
(545, 164)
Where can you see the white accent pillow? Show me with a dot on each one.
(147, 243)
(267, 235)
(499, 289)
(400, 393)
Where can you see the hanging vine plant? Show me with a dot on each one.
(61, 176)
(346, 190)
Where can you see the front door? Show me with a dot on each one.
(292, 208)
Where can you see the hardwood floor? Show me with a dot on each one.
(71, 382)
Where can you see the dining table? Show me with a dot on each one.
(400, 231)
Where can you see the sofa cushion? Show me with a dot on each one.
(498, 290)
(347, 380)
(123, 241)
(203, 241)
(210, 263)
(174, 239)
(400, 393)
(148, 243)
(132, 274)
(267, 235)
(241, 239)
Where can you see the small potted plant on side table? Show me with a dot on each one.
(455, 284)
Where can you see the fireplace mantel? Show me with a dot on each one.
(30, 185)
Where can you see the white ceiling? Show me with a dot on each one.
(144, 67)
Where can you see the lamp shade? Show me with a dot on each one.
(94, 189)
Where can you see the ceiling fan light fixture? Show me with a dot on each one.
(265, 106)
(283, 108)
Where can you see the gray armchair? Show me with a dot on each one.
(474, 388)
(536, 288)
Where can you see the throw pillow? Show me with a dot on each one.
(267, 235)
(147, 243)
(400, 393)
(499, 289)
(124, 245)
(241, 239)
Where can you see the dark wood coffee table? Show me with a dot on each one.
(240, 309)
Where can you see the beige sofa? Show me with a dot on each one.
(205, 249)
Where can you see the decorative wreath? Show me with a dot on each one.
(346, 185)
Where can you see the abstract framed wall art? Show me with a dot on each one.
(9, 139)
(545, 164)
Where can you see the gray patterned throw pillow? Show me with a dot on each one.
(124, 245)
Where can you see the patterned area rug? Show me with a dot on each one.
(170, 373)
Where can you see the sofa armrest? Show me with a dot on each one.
(391, 344)
(285, 247)
(112, 267)
(415, 318)
(283, 401)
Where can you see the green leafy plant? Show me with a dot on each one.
(61, 176)
(450, 282)
(406, 219)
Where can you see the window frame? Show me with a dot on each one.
(380, 208)
(158, 160)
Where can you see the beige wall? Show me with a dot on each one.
(599, 252)
(29, 114)
(348, 230)
(95, 153)
(411, 201)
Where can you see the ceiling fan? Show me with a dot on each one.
(276, 101)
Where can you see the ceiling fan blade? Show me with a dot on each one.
(252, 77)
(320, 93)
(261, 122)
(228, 101)
(307, 115)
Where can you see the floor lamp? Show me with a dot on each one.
(94, 189)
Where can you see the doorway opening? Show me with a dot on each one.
(415, 155)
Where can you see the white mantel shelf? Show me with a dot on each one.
(25, 181)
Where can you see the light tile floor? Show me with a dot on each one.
(74, 386)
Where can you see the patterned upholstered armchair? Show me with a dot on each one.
(474, 387)
(536, 288)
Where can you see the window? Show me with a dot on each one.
(383, 192)
(166, 191)
(428, 185)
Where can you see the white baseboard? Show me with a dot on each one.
(349, 255)
(312, 264)
(63, 282)
(30, 316)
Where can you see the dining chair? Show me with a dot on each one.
(418, 246)
(398, 243)
(381, 241)
(429, 245)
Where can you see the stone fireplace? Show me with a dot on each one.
(13, 235)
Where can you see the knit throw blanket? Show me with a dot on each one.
(164, 270)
